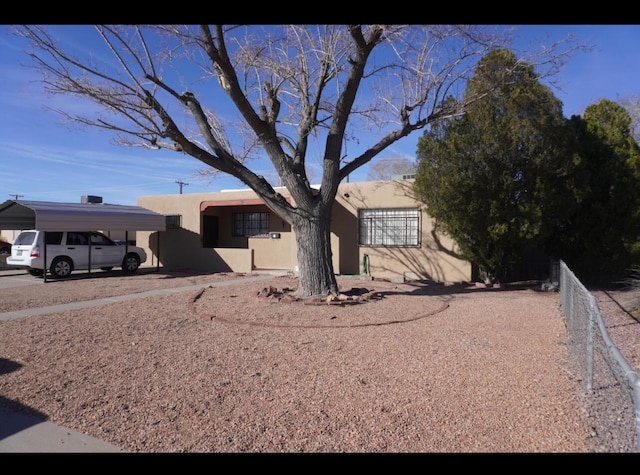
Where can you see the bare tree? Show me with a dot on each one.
(387, 168)
(292, 86)
(632, 105)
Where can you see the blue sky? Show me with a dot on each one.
(42, 159)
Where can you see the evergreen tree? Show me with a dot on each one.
(483, 176)
(598, 236)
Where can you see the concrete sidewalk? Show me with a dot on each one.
(30, 312)
(34, 433)
(21, 432)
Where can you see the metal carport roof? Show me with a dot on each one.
(51, 216)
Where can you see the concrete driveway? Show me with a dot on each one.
(10, 277)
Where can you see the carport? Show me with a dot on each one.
(84, 216)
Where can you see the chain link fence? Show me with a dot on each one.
(611, 388)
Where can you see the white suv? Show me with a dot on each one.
(67, 251)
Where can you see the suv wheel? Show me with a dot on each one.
(61, 267)
(130, 263)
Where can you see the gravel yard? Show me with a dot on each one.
(230, 366)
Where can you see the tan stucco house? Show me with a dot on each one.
(377, 229)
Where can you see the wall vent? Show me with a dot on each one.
(91, 199)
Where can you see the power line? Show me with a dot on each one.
(181, 183)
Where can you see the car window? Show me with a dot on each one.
(76, 239)
(54, 237)
(98, 239)
(25, 238)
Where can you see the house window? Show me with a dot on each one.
(173, 221)
(251, 224)
(389, 227)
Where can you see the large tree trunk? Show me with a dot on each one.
(313, 237)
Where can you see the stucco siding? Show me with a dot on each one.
(434, 259)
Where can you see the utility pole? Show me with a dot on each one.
(16, 196)
(181, 183)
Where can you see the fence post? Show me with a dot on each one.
(589, 344)
(636, 404)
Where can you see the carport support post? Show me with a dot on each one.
(158, 247)
(89, 251)
(44, 270)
